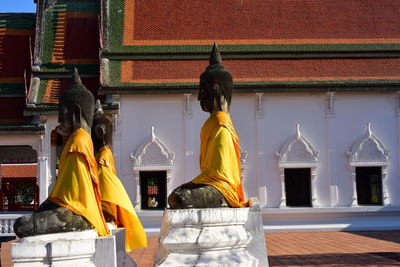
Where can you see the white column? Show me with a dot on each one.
(260, 144)
(314, 198)
(354, 201)
(188, 142)
(136, 177)
(283, 190)
(331, 157)
(116, 145)
(385, 193)
(43, 166)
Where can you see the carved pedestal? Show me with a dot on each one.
(83, 248)
(206, 237)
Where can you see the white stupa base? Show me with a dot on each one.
(205, 237)
(72, 249)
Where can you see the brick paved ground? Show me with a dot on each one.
(316, 249)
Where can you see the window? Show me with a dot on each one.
(298, 187)
(19, 195)
(369, 185)
(153, 190)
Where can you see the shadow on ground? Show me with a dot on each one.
(391, 236)
(339, 259)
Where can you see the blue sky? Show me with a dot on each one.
(17, 6)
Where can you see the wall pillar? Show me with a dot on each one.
(260, 144)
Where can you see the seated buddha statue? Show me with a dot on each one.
(115, 202)
(219, 182)
(74, 204)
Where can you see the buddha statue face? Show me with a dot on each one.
(207, 94)
(102, 128)
(101, 132)
(65, 121)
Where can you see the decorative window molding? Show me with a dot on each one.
(298, 153)
(369, 151)
(151, 155)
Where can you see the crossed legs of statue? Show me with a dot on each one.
(196, 196)
(50, 218)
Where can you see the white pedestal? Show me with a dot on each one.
(74, 249)
(59, 250)
(205, 237)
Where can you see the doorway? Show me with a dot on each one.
(369, 185)
(298, 187)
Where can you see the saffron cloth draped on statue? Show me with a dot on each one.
(116, 202)
(220, 158)
(77, 184)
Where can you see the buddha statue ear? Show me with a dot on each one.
(77, 117)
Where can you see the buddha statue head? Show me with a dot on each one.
(101, 129)
(76, 107)
(216, 83)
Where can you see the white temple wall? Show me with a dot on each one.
(352, 112)
(281, 113)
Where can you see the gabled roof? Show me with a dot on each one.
(16, 39)
(68, 37)
(267, 45)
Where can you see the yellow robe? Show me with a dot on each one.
(77, 185)
(115, 201)
(220, 158)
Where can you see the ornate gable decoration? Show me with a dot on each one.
(298, 151)
(368, 149)
(153, 154)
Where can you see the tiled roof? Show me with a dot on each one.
(267, 45)
(189, 26)
(16, 36)
(70, 36)
(16, 39)
(52, 88)
(141, 75)
(18, 170)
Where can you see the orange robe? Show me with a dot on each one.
(220, 158)
(115, 201)
(77, 184)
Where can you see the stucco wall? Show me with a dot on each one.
(263, 136)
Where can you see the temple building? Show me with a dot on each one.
(316, 101)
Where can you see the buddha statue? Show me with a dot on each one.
(219, 183)
(74, 203)
(116, 204)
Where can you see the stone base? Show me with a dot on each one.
(82, 248)
(205, 237)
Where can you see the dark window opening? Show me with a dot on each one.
(369, 185)
(298, 187)
(21, 194)
(153, 190)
